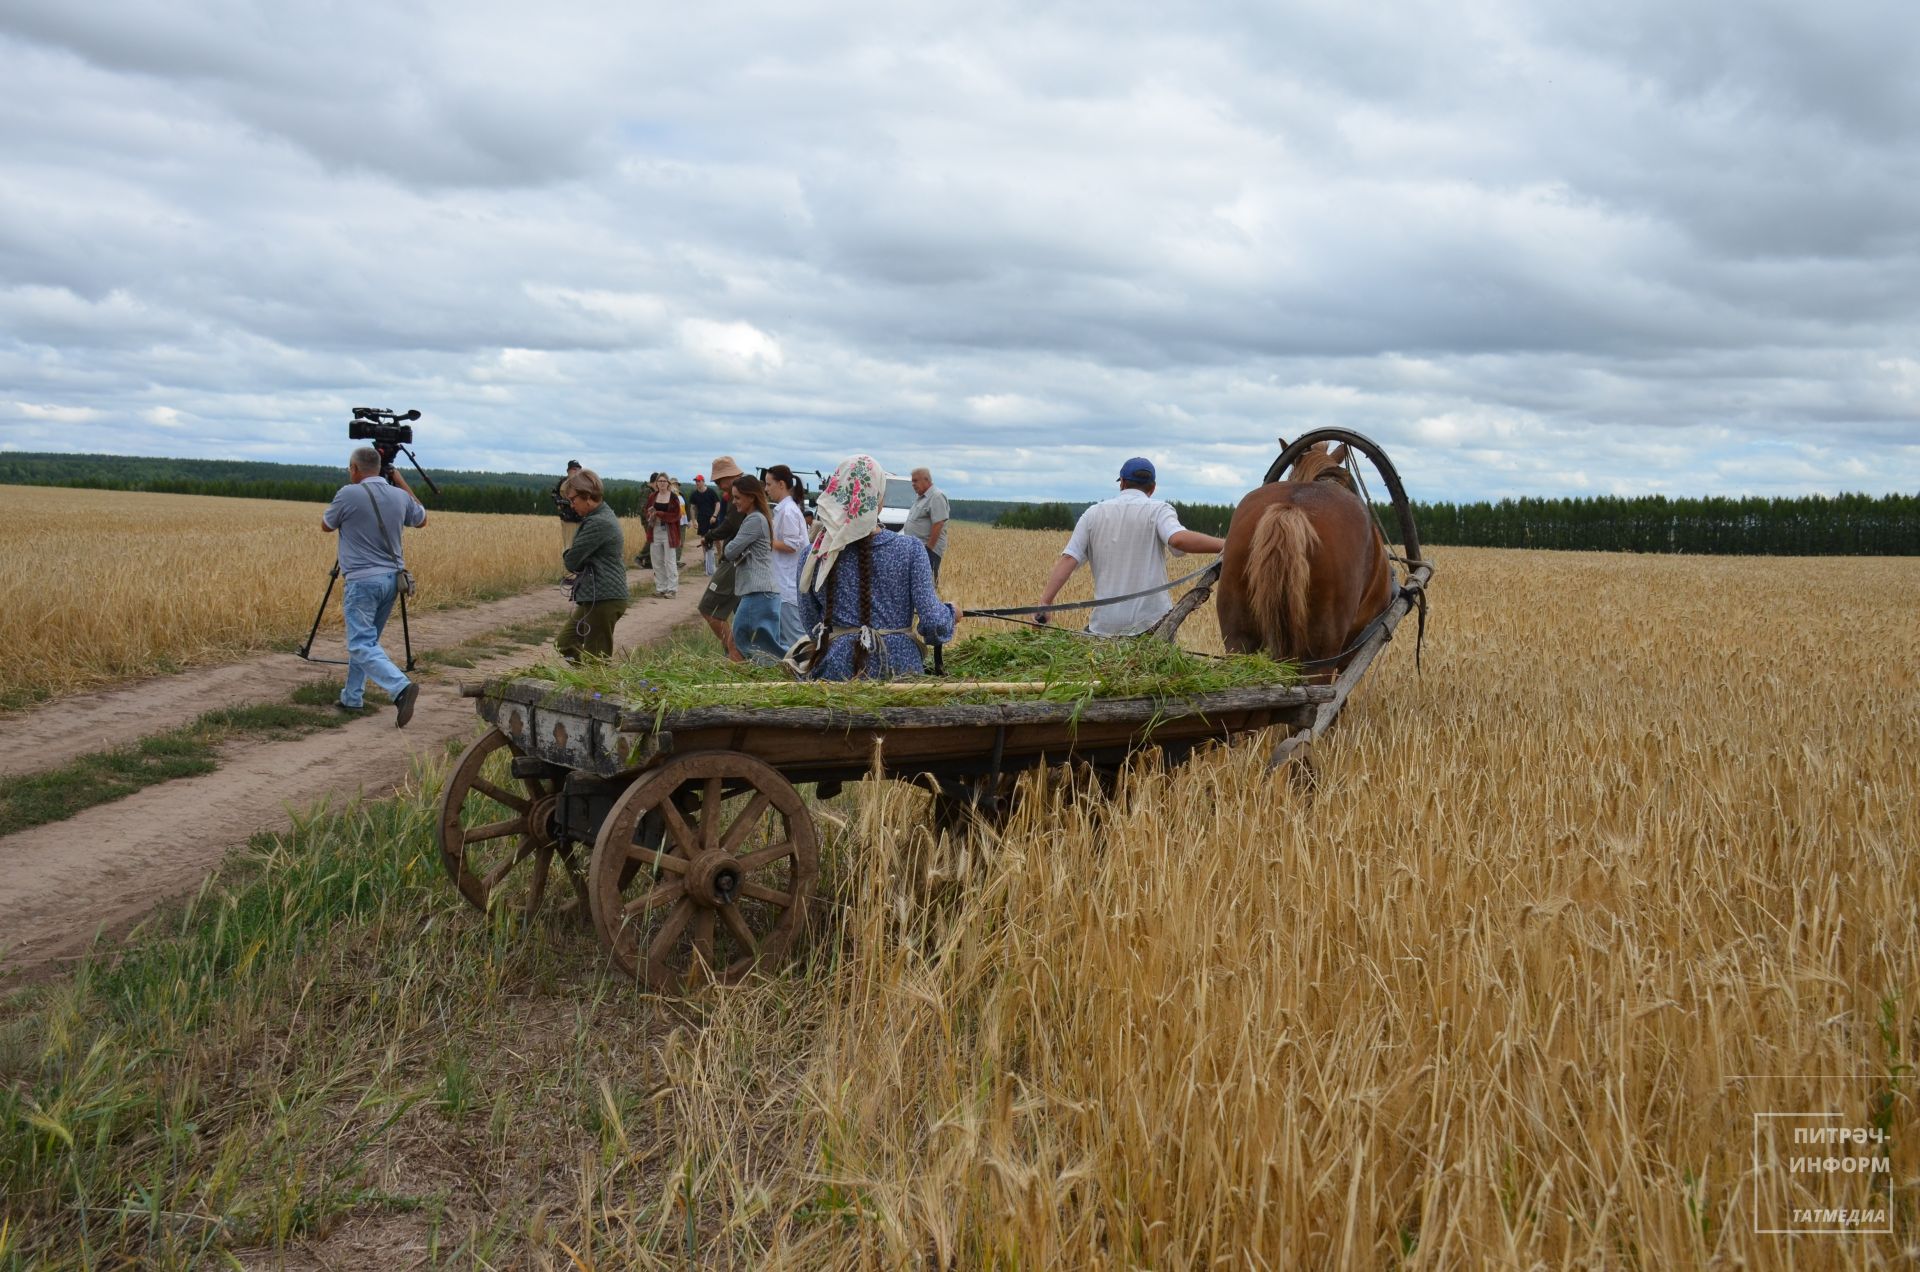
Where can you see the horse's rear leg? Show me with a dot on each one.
(1237, 632)
(1328, 638)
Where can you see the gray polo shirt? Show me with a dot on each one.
(363, 553)
(926, 510)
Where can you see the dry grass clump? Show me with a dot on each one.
(1494, 993)
(102, 586)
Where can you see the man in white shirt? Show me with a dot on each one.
(1122, 539)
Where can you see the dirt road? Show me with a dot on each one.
(103, 870)
(49, 736)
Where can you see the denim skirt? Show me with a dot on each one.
(756, 627)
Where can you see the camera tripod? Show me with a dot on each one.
(305, 651)
(388, 450)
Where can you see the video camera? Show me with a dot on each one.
(390, 432)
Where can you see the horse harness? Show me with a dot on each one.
(1416, 591)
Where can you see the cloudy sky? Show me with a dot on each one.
(1530, 247)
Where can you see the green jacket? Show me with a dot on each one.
(599, 557)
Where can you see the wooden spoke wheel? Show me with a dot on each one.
(723, 890)
(496, 830)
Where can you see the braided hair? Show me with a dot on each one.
(864, 550)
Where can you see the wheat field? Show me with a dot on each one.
(1629, 863)
(1631, 860)
(105, 586)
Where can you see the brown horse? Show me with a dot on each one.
(1305, 569)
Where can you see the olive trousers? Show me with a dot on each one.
(589, 630)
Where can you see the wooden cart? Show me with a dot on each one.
(686, 837)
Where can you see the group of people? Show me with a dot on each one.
(832, 592)
(752, 531)
(752, 545)
(757, 537)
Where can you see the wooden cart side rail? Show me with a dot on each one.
(1094, 711)
(1168, 628)
(544, 693)
(563, 728)
(540, 693)
(848, 754)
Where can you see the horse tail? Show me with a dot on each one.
(1278, 571)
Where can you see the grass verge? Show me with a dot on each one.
(501, 640)
(318, 1035)
(193, 749)
(188, 751)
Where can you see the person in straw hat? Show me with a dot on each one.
(718, 602)
(862, 587)
(597, 557)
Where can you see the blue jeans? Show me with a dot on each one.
(756, 627)
(368, 603)
(791, 628)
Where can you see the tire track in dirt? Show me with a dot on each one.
(100, 872)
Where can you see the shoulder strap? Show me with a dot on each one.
(381, 521)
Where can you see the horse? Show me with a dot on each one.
(1305, 567)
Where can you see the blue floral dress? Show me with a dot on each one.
(902, 589)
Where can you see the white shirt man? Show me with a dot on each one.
(1125, 540)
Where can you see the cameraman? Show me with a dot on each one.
(369, 512)
(569, 519)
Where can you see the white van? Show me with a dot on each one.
(898, 501)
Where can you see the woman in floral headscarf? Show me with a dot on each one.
(862, 587)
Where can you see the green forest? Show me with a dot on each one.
(1809, 525)
(309, 483)
(315, 483)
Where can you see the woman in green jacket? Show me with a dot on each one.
(597, 557)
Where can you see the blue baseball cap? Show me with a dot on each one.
(1139, 468)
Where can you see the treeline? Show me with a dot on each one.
(306, 483)
(983, 511)
(460, 491)
(132, 472)
(1046, 516)
(1807, 525)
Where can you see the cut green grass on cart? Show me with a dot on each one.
(1050, 666)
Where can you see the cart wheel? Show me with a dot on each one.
(726, 889)
(492, 822)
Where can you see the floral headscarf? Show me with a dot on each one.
(847, 512)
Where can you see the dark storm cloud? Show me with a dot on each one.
(1532, 248)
